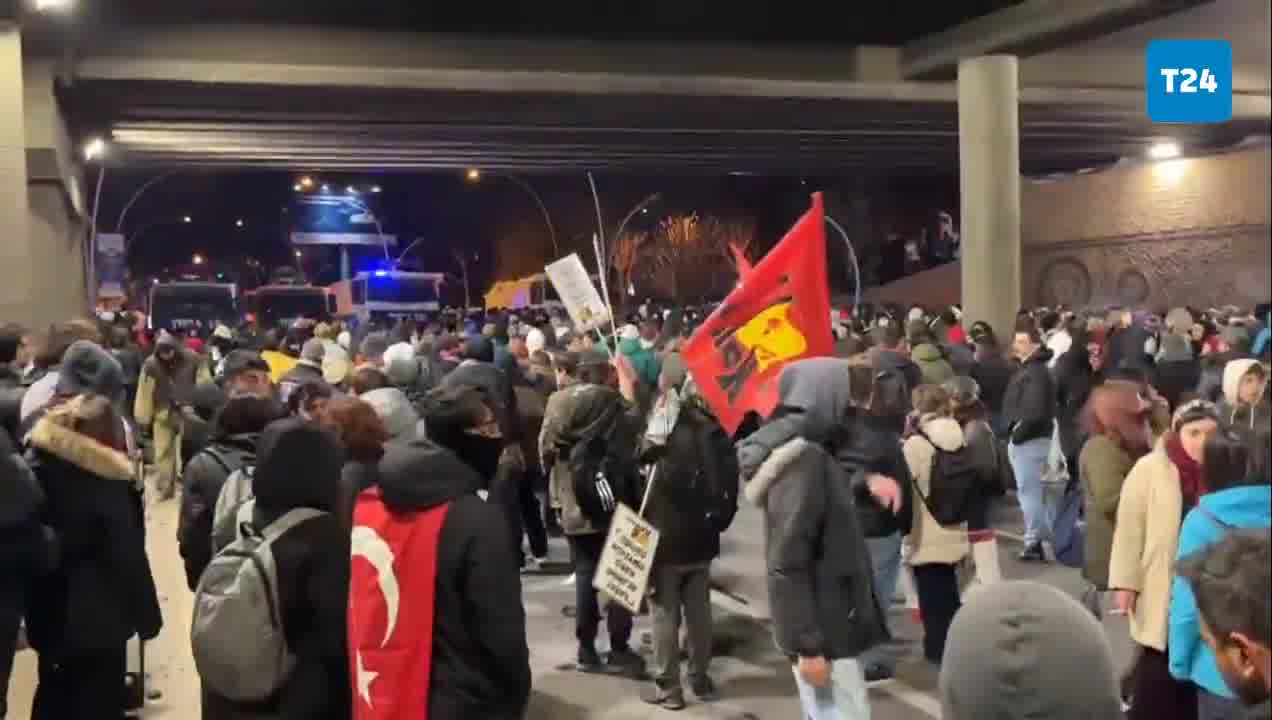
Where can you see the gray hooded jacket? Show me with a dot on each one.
(820, 583)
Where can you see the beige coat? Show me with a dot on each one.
(931, 542)
(1145, 541)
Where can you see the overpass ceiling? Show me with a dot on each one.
(670, 21)
(794, 128)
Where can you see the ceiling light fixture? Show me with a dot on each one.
(94, 148)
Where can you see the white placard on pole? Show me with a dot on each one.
(577, 293)
(623, 571)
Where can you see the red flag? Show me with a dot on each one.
(392, 585)
(779, 313)
(739, 259)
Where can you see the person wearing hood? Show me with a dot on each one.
(1178, 370)
(1240, 497)
(927, 354)
(1231, 582)
(102, 591)
(308, 369)
(1161, 487)
(298, 466)
(1029, 411)
(1245, 395)
(1027, 650)
(236, 430)
(825, 609)
(935, 549)
(478, 369)
(1233, 344)
(168, 379)
(464, 654)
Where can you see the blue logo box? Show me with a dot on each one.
(1188, 81)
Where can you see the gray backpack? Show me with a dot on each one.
(235, 494)
(240, 650)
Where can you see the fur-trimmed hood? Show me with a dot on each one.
(771, 467)
(55, 435)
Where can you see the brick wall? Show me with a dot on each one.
(1188, 231)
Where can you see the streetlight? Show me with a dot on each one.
(299, 254)
(306, 182)
(238, 223)
(326, 188)
(187, 219)
(298, 187)
(351, 190)
(473, 175)
(375, 188)
(197, 259)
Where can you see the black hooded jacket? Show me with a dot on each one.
(201, 482)
(1074, 380)
(820, 579)
(102, 591)
(298, 465)
(1029, 405)
(481, 663)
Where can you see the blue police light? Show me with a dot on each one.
(381, 273)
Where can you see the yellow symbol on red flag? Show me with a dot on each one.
(772, 337)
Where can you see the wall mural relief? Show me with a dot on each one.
(1201, 267)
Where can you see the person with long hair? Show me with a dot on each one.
(1161, 487)
(1115, 420)
(990, 459)
(1240, 497)
(935, 549)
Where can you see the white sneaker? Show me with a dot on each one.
(532, 565)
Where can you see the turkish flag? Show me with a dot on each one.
(778, 314)
(392, 588)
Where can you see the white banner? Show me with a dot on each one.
(628, 556)
(577, 293)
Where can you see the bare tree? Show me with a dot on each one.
(685, 257)
(461, 260)
(625, 252)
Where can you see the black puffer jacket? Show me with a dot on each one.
(1074, 379)
(298, 465)
(866, 447)
(820, 580)
(993, 374)
(201, 483)
(481, 663)
(1029, 405)
(102, 591)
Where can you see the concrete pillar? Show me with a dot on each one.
(15, 259)
(989, 190)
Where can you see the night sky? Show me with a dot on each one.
(493, 218)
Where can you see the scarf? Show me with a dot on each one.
(1191, 482)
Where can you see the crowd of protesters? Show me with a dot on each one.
(1136, 445)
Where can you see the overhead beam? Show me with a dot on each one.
(1028, 28)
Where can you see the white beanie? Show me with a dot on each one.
(535, 341)
(344, 339)
(630, 332)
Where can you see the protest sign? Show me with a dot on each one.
(628, 556)
(577, 293)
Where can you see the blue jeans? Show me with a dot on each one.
(845, 699)
(885, 562)
(1027, 461)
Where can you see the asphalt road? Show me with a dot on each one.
(753, 679)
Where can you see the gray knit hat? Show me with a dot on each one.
(1027, 650)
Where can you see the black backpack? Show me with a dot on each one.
(601, 480)
(891, 393)
(953, 484)
(718, 471)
